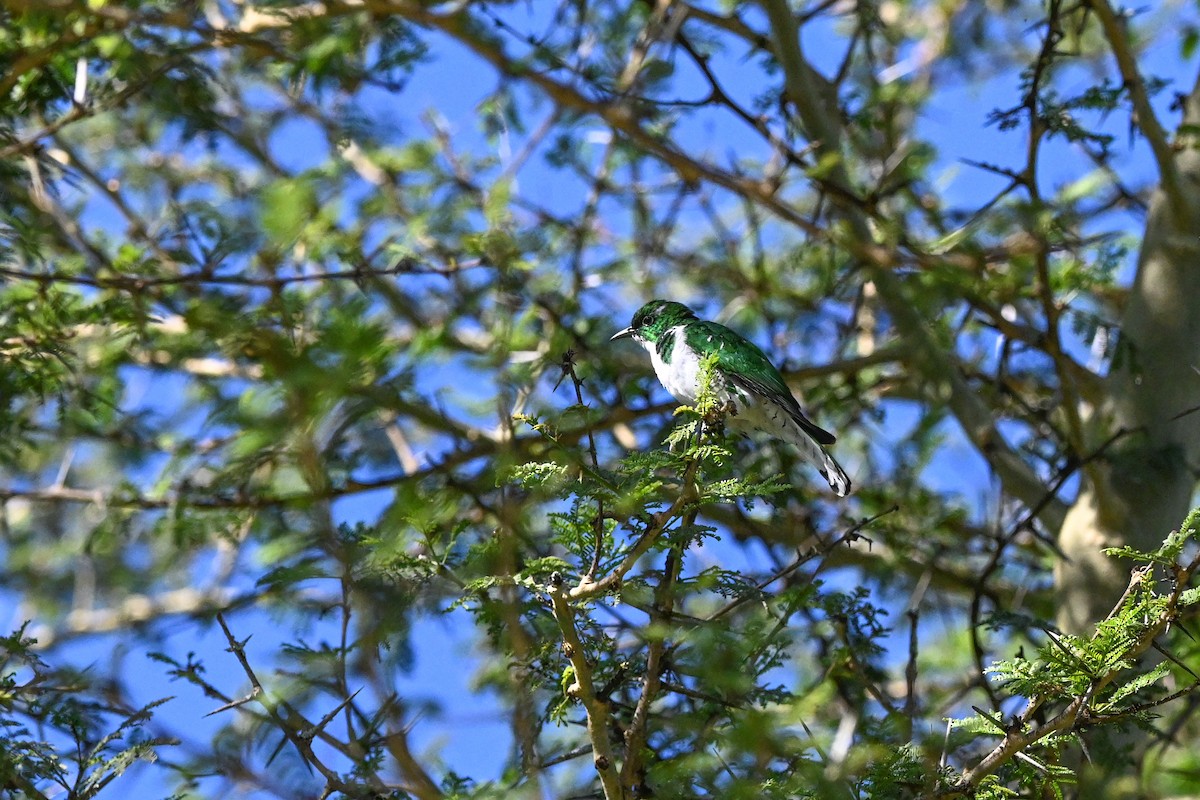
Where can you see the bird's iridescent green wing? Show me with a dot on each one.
(747, 367)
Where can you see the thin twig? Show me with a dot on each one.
(568, 370)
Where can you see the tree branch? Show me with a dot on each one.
(584, 690)
(664, 605)
(1117, 33)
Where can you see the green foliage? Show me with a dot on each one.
(43, 707)
(1080, 684)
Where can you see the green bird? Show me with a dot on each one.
(676, 340)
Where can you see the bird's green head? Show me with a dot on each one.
(654, 319)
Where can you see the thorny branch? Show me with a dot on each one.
(277, 710)
(583, 689)
(300, 733)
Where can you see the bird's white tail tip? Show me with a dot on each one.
(838, 480)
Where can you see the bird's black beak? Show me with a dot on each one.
(623, 334)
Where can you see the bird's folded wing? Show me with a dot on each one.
(769, 394)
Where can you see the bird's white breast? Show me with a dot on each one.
(681, 376)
